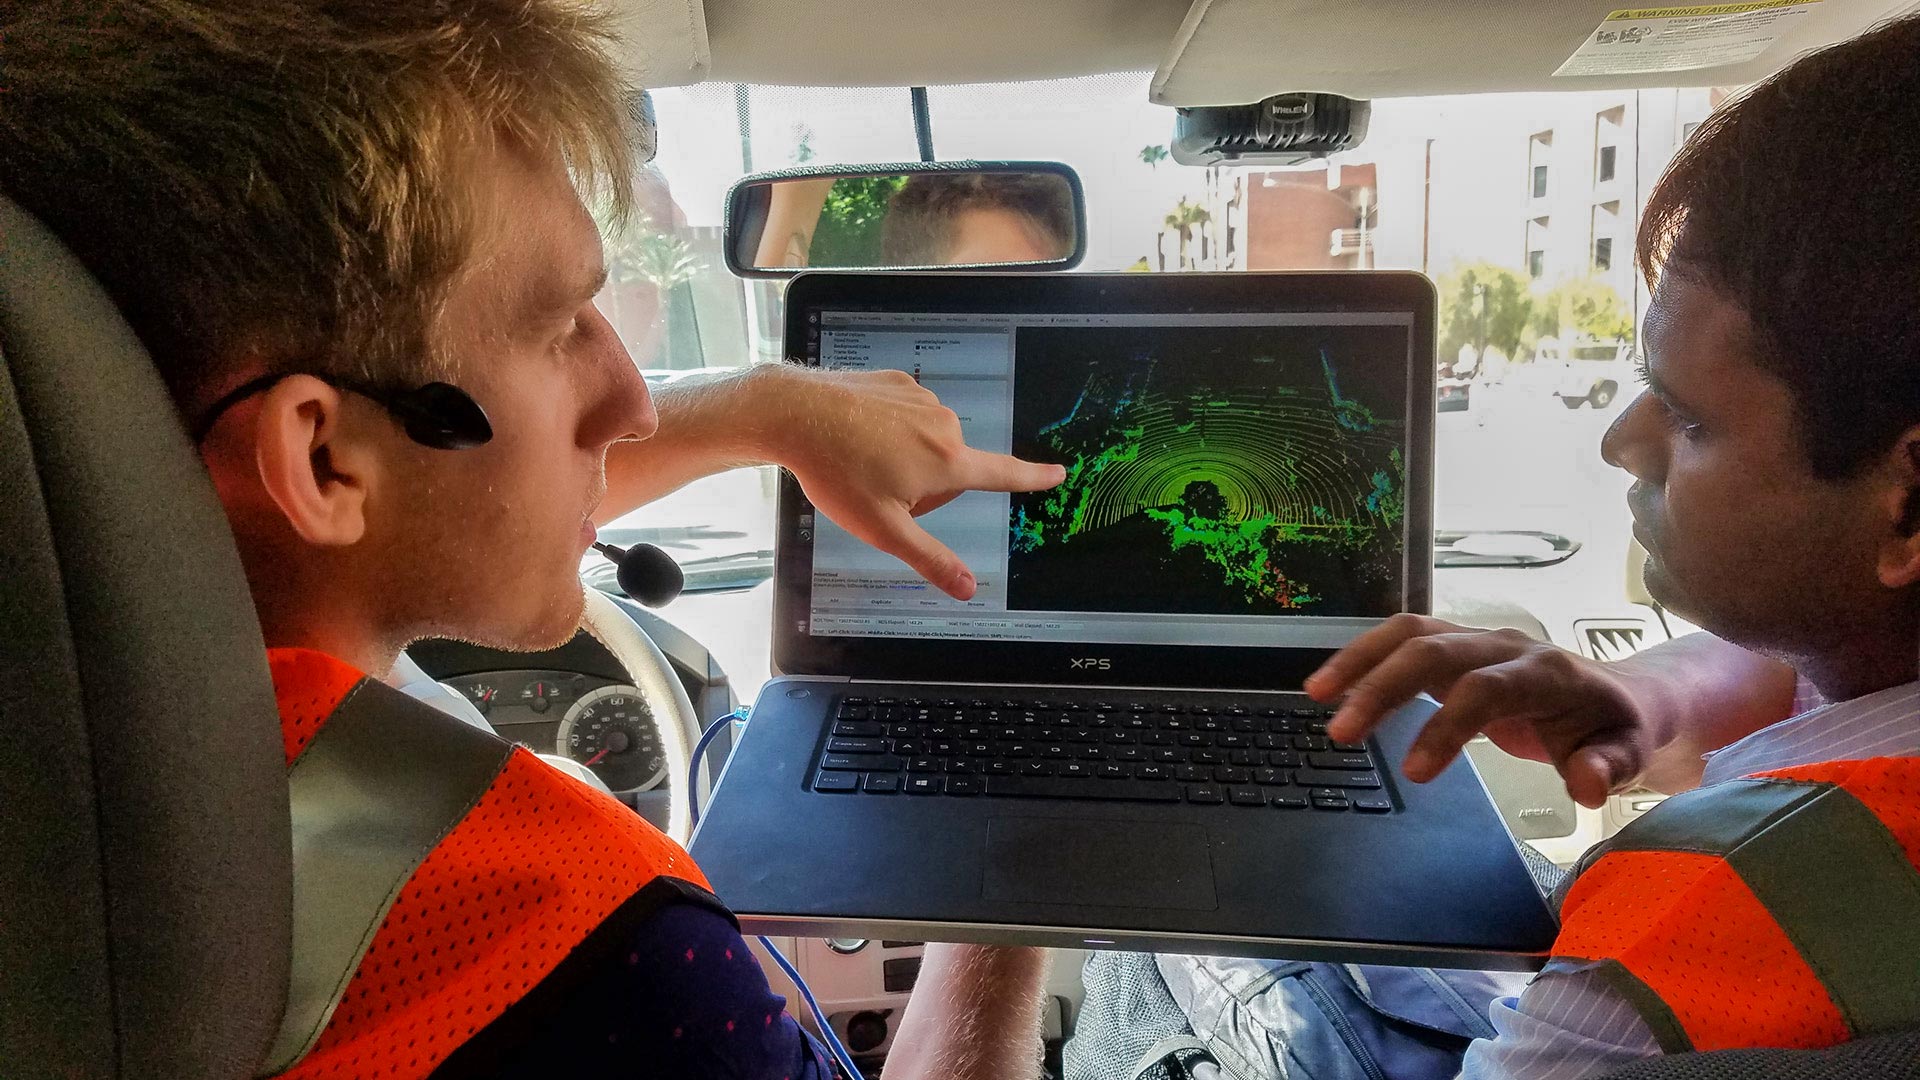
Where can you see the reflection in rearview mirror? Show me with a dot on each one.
(1024, 215)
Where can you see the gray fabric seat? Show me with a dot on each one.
(145, 855)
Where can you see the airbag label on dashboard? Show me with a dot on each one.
(1638, 41)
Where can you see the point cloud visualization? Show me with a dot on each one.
(1246, 470)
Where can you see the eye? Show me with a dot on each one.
(1687, 427)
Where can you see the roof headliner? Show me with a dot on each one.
(1206, 52)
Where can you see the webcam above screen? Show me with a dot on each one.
(961, 215)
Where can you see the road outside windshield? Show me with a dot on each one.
(1522, 208)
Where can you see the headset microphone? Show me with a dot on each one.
(646, 574)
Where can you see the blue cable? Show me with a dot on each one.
(839, 1052)
(693, 763)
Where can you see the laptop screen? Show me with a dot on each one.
(1249, 460)
(1234, 478)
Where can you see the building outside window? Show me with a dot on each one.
(1604, 228)
(1609, 130)
(1539, 240)
(1539, 150)
(1297, 219)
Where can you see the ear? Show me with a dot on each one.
(1900, 553)
(309, 464)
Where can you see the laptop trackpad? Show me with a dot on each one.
(1098, 863)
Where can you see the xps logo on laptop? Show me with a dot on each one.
(1097, 663)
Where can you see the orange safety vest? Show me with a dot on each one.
(1778, 910)
(440, 876)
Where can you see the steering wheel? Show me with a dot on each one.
(660, 689)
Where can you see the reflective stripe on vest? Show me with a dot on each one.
(372, 794)
(440, 874)
(1781, 910)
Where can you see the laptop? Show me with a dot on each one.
(1106, 745)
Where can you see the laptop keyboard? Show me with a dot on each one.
(1219, 754)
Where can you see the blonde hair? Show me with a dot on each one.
(289, 180)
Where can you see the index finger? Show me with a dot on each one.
(1365, 653)
(897, 534)
(1429, 662)
(986, 471)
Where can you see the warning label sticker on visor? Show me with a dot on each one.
(1637, 41)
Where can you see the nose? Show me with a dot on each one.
(1636, 440)
(622, 408)
(646, 419)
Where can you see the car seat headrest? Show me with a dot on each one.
(145, 867)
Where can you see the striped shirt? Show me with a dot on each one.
(1565, 1026)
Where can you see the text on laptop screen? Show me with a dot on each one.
(1232, 479)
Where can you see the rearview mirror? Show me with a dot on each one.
(963, 215)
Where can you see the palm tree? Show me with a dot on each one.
(665, 261)
(644, 252)
(1209, 233)
(1233, 205)
(1153, 156)
(1182, 220)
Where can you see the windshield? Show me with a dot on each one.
(1522, 207)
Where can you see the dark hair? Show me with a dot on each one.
(920, 216)
(1800, 203)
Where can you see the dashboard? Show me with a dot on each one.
(600, 723)
(574, 701)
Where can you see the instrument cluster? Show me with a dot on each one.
(602, 724)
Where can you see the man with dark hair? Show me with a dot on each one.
(1774, 901)
(978, 218)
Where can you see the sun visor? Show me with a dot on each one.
(1231, 52)
(662, 42)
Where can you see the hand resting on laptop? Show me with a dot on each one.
(1606, 726)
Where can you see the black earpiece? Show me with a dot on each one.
(647, 574)
(439, 415)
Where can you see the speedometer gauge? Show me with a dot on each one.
(610, 731)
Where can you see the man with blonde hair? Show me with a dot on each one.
(351, 234)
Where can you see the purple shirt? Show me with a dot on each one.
(686, 999)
